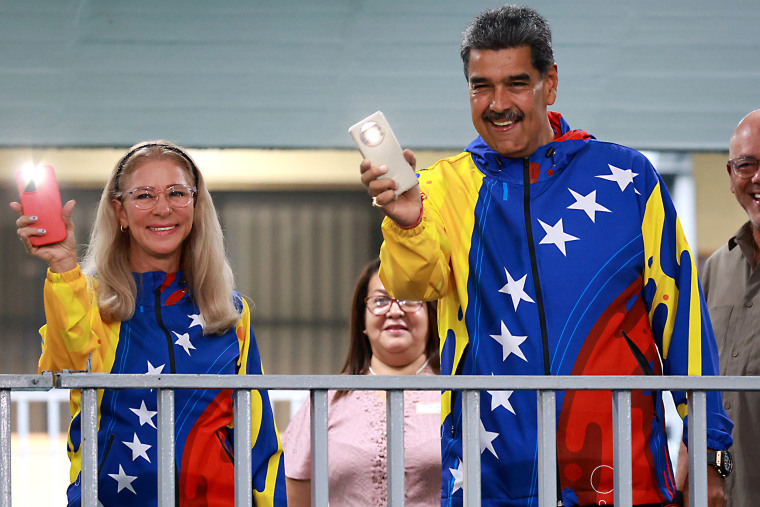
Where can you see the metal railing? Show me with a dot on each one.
(470, 386)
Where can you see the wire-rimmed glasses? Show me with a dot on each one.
(177, 196)
(380, 305)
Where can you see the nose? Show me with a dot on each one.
(502, 100)
(395, 309)
(162, 204)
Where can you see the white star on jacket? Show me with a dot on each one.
(183, 340)
(510, 344)
(458, 475)
(623, 177)
(197, 320)
(555, 235)
(587, 203)
(154, 370)
(516, 289)
(139, 450)
(486, 440)
(124, 480)
(501, 399)
(145, 415)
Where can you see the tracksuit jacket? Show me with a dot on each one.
(571, 261)
(164, 336)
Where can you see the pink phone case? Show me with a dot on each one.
(39, 196)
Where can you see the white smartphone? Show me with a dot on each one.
(375, 140)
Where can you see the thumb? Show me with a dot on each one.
(68, 210)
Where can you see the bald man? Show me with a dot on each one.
(731, 283)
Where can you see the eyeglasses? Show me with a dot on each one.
(380, 305)
(744, 167)
(178, 196)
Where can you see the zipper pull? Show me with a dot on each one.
(550, 153)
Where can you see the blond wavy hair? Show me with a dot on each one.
(203, 259)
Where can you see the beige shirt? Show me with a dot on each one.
(732, 291)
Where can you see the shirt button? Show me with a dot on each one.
(748, 304)
(727, 405)
(735, 353)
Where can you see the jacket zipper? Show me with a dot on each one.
(160, 320)
(537, 283)
(105, 453)
(172, 369)
(534, 264)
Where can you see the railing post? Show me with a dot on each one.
(547, 448)
(5, 448)
(166, 475)
(622, 449)
(697, 448)
(89, 447)
(319, 458)
(471, 447)
(395, 437)
(243, 440)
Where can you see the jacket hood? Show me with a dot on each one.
(554, 155)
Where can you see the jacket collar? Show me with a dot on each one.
(554, 155)
(171, 286)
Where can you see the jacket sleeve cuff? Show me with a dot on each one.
(65, 277)
(406, 232)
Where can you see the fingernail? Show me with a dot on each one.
(383, 169)
(41, 231)
(33, 218)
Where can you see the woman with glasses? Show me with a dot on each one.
(154, 295)
(388, 337)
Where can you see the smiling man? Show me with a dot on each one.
(732, 289)
(551, 253)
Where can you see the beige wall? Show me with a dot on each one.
(228, 169)
(718, 213)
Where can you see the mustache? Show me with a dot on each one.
(503, 116)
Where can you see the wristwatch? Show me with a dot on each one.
(722, 461)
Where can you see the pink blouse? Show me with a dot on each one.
(356, 448)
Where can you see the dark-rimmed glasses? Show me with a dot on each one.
(380, 305)
(744, 167)
(177, 196)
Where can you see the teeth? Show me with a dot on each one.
(756, 196)
(503, 124)
(162, 228)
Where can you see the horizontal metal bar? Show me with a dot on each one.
(27, 382)
(415, 382)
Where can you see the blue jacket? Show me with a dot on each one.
(164, 336)
(543, 266)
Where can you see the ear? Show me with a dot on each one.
(730, 178)
(551, 81)
(121, 214)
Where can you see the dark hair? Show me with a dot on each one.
(360, 350)
(509, 27)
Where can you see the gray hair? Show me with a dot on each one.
(509, 27)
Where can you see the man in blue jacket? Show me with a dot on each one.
(551, 253)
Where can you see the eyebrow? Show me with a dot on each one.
(517, 77)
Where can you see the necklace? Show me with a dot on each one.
(416, 372)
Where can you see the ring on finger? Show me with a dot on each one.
(375, 203)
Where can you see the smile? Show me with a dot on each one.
(503, 123)
(162, 229)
